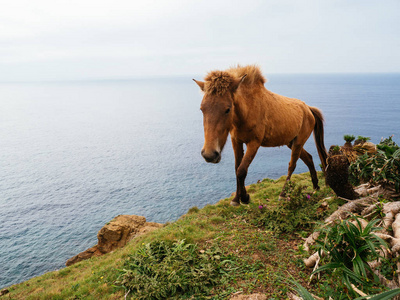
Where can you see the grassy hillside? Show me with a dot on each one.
(255, 247)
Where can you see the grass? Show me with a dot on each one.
(264, 245)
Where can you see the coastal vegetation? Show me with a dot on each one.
(381, 168)
(221, 251)
(252, 248)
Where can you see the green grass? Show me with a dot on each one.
(264, 246)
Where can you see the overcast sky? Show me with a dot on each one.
(100, 39)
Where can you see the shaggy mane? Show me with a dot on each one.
(254, 74)
(218, 82)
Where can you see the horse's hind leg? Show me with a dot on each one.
(296, 152)
(307, 159)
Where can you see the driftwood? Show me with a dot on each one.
(343, 212)
(368, 208)
(292, 296)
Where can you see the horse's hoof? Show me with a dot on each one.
(246, 200)
(234, 203)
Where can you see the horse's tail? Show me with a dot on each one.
(319, 136)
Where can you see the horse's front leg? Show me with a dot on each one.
(242, 164)
(238, 151)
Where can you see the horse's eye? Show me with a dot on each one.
(227, 111)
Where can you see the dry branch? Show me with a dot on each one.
(310, 240)
(351, 207)
(367, 207)
(313, 259)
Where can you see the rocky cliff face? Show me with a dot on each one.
(116, 234)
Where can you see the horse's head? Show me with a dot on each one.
(218, 110)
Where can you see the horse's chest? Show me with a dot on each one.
(243, 134)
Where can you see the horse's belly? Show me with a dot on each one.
(275, 139)
(275, 142)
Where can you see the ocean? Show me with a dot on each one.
(73, 155)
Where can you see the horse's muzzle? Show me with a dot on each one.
(212, 157)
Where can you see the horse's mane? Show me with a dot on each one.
(218, 82)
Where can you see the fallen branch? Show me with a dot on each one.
(313, 259)
(361, 293)
(310, 240)
(352, 207)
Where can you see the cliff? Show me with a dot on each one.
(256, 247)
(116, 234)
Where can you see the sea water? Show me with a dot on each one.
(73, 155)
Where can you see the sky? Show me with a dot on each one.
(118, 39)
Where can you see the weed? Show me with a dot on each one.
(349, 138)
(350, 247)
(383, 167)
(297, 212)
(363, 139)
(193, 210)
(161, 270)
(267, 246)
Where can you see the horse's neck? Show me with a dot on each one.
(241, 110)
(246, 101)
(243, 105)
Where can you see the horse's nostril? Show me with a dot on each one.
(213, 156)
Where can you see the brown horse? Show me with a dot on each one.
(236, 102)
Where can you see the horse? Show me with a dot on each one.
(236, 102)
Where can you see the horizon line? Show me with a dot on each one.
(167, 77)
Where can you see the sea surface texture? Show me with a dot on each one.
(73, 155)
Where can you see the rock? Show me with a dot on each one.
(118, 231)
(256, 296)
(116, 234)
(3, 292)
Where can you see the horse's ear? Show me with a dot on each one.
(200, 84)
(236, 83)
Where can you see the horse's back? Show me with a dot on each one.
(284, 119)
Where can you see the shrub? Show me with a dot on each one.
(349, 248)
(380, 168)
(349, 138)
(172, 270)
(298, 211)
(363, 139)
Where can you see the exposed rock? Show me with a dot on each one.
(257, 296)
(116, 234)
(3, 292)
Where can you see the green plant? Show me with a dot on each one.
(298, 211)
(334, 150)
(363, 138)
(382, 296)
(298, 288)
(349, 138)
(164, 269)
(306, 295)
(349, 248)
(381, 168)
(193, 210)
